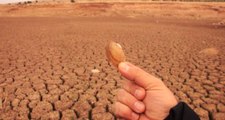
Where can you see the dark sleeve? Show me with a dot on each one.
(182, 112)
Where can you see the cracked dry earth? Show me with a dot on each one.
(46, 64)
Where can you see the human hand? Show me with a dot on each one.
(143, 96)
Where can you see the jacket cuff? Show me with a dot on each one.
(182, 112)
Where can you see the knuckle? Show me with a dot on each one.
(126, 112)
(121, 111)
(127, 86)
(117, 108)
(120, 94)
(122, 99)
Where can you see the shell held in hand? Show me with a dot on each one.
(114, 53)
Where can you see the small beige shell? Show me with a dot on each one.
(114, 53)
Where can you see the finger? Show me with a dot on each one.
(139, 76)
(143, 117)
(123, 111)
(129, 100)
(137, 91)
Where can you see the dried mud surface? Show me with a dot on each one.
(47, 64)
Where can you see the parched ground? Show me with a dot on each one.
(53, 63)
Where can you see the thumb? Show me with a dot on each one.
(139, 76)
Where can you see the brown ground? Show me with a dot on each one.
(48, 52)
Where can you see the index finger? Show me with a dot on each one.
(139, 76)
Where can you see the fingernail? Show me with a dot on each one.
(137, 93)
(139, 106)
(134, 116)
(124, 67)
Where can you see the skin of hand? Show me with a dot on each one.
(143, 96)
